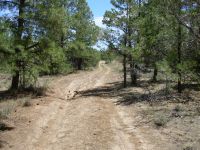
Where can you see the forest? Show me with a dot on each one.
(147, 66)
(47, 37)
(163, 35)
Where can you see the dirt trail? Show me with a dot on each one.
(70, 121)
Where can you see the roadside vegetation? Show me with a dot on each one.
(45, 38)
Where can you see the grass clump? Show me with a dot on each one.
(6, 110)
(188, 147)
(37, 91)
(4, 114)
(178, 108)
(27, 103)
(41, 91)
(160, 120)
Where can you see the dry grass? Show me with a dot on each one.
(5, 81)
(10, 100)
(179, 121)
(6, 108)
(25, 102)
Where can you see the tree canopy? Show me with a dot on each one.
(45, 37)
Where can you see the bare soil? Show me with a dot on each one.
(91, 111)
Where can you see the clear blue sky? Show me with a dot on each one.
(98, 8)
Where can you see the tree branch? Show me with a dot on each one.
(32, 46)
(188, 27)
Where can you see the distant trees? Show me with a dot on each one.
(45, 37)
(83, 33)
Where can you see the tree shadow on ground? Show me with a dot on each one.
(34, 92)
(5, 127)
(192, 86)
(13, 95)
(130, 95)
(6, 95)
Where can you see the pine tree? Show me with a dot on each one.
(123, 17)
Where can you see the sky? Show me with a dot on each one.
(98, 8)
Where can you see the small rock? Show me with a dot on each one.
(61, 135)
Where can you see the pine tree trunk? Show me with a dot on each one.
(124, 69)
(16, 76)
(155, 73)
(179, 35)
(15, 81)
(133, 73)
(62, 41)
(79, 63)
(134, 78)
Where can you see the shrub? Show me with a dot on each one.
(160, 120)
(178, 108)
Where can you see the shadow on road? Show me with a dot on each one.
(131, 95)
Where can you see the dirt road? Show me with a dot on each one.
(77, 116)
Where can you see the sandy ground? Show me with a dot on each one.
(78, 114)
